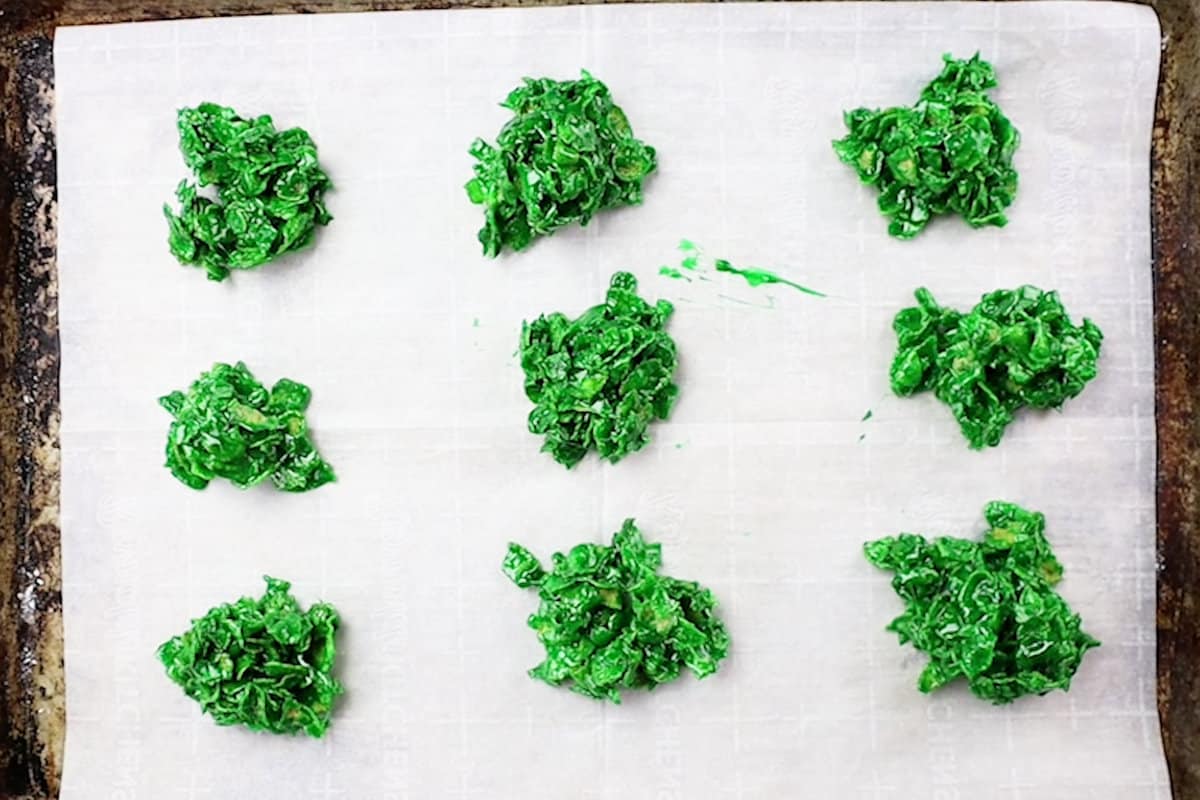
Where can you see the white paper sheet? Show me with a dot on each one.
(763, 484)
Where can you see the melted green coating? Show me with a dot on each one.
(758, 277)
(951, 153)
(567, 153)
(266, 664)
(986, 610)
(599, 380)
(610, 622)
(269, 189)
(690, 266)
(1015, 348)
(227, 425)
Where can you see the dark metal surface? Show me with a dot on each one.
(31, 678)
(1175, 180)
(32, 711)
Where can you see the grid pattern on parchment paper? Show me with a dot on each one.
(763, 485)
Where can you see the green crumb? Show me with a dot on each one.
(598, 381)
(475, 322)
(986, 610)
(270, 191)
(951, 153)
(671, 272)
(609, 622)
(691, 255)
(266, 664)
(1016, 348)
(867, 415)
(228, 425)
(567, 153)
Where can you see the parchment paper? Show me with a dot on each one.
(763, 485)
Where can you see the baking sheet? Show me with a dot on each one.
(763, 484)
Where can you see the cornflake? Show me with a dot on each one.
(266, 664)
(1015, 348)
(610, 622)
(228, 425)
(269, 191)
(567, 153)
(951, 153)
(986, 611)
(599, 380)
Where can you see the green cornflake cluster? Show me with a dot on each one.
(1015, 348)
(266, 664)
(227, 425)
(610, 622)
(986, 610)
(269, 191)
(950, 153)
(598, 381)
(567, 153)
